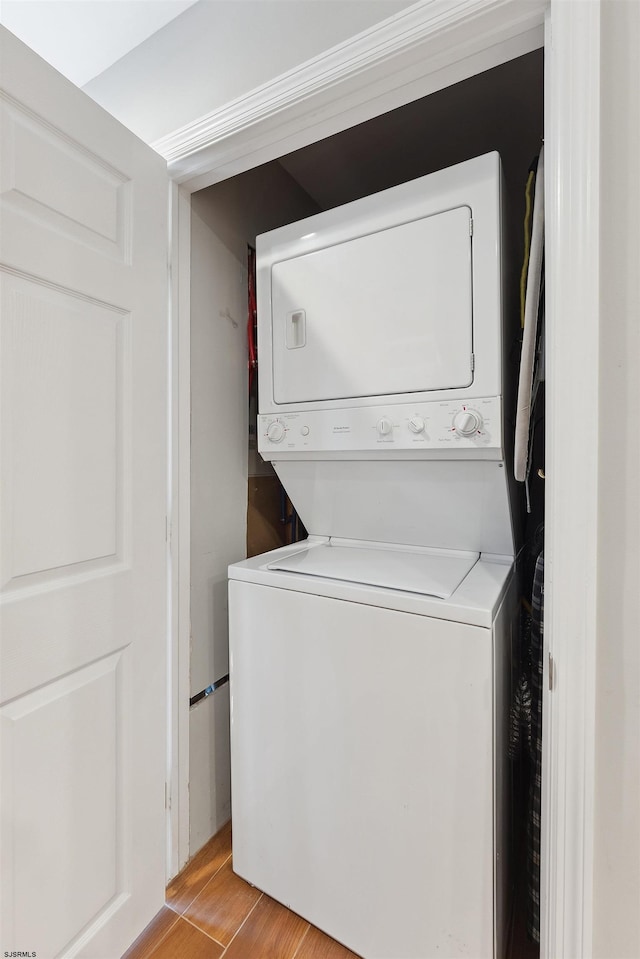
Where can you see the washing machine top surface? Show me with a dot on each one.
(429, 572)
(460, 586)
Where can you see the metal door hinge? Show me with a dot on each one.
(470, 226)
(552, 677)
(473, 362)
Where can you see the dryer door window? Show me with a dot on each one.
(382, 314)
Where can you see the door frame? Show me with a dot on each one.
(179, 531)
(426, 47)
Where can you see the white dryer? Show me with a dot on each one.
(370, 664)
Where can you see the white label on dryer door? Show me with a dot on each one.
(382, 314)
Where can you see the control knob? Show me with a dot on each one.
(416, 424)
(384, 426)
(467, 422)
(275, 432)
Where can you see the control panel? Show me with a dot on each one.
(440, 425)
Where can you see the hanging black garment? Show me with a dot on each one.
(533, 825)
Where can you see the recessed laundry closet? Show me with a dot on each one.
(399, 733)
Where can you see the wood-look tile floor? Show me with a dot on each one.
(211, 913)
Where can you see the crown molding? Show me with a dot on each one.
(398, 60)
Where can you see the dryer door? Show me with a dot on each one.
(382, 314)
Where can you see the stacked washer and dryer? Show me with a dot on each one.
(370, 664)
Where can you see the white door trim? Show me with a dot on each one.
(572, 156)
(457, 40)
(179, 531)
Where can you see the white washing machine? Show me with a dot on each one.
(370, 664)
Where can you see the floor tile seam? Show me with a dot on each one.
(204, 932)
(213, 876)
(229, 944)
(149, 955)
(299, 946)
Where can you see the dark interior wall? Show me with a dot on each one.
(500, 109)
(262, 199)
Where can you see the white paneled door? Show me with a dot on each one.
(83, 353)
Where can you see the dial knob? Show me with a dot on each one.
(416, 424)
(275, 432)
(467, 422)
(384, 426)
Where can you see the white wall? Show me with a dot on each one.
(218, 441)
(224, 220)
(616, 897)
(82, 39)
(219, 50)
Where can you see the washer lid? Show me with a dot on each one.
(431, 572)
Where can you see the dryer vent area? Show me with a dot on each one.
(238, 507)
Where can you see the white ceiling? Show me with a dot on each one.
(81, 38)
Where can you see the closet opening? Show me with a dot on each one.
(238, 507)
